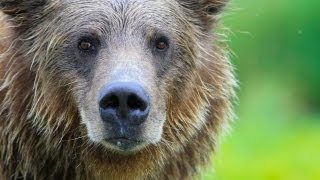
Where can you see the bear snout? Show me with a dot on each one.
(124, 104)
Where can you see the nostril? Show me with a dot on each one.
(136, 103)
(110, 102)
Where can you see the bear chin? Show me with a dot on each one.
(124, 146)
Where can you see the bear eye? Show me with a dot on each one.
(162, 44)
(89, 44)
(85, 45)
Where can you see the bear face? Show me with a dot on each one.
(143, 46)
(122, 51)
(122, 55)
(134, 83)
(126, 44)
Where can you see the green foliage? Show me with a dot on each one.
(277, 57)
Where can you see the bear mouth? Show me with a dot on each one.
(124, 144)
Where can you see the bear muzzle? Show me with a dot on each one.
(124, 106)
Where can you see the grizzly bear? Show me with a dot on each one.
(113, 89)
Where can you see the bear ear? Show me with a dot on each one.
(21, 7)
(204, 10)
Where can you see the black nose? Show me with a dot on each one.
(124, 103)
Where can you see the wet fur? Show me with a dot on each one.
(42, 137)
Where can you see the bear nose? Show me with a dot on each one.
(125, 103)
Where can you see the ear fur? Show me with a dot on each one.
(23, 13)
(204, 10)
(21, 7)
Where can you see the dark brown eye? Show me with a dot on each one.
(162, 45)
(85, 46)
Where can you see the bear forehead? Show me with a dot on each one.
(113, 15)
(121, 6)
(119, 16)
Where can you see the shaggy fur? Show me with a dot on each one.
(42, 135)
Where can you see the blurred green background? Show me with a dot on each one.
(276, 45)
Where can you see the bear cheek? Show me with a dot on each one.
(95, 130)
(154, 125)
(90, 116)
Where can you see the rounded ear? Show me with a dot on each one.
(204, 10)
(18, 7)
(23, 13)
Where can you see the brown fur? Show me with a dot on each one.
(42, 137)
